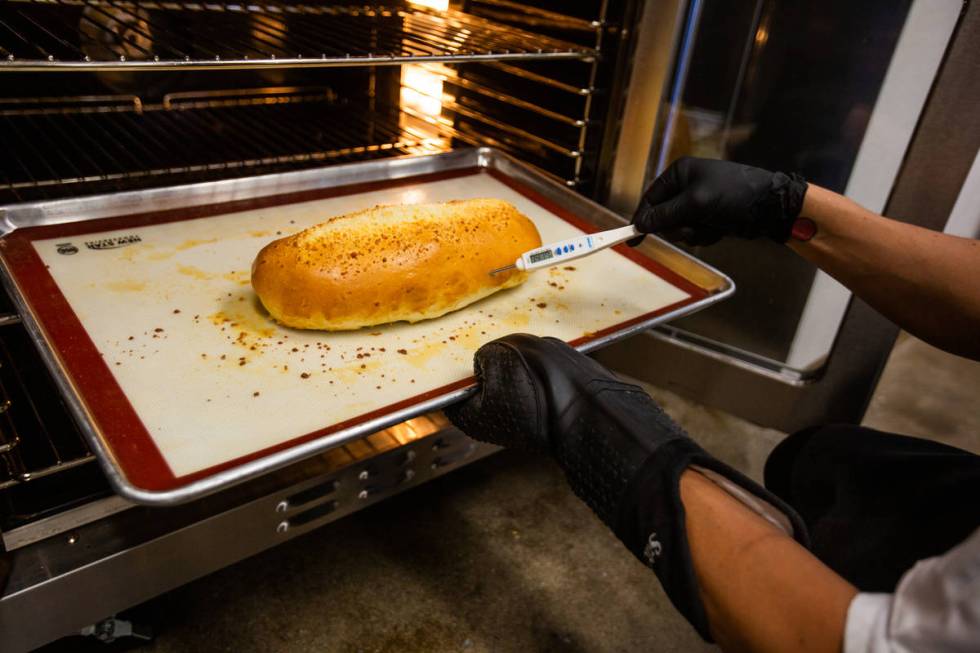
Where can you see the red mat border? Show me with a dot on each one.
(113, 416)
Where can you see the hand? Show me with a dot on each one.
(621, 453)
(538, 394)
(700, 201)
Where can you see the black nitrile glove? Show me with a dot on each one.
(621, 453)
(700, 201)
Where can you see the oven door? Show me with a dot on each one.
(859, 98)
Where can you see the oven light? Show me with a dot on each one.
(421, 90)
(441, 5)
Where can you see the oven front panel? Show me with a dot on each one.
(90, 570)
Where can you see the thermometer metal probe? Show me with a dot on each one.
(571, 249)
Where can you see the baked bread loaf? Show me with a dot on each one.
(392, 263)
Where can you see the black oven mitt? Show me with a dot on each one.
(621, 453)
(699, 201)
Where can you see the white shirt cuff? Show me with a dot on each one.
(867, 624)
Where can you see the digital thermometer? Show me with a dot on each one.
(571, 249)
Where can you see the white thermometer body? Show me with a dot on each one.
(571, 249)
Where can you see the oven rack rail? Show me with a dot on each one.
(121, 35)
(512, 11)
(445, 127)
(469, 123)
(594, 31)
(60, 458)
(79, 145)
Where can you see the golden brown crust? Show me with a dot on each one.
(392, 263)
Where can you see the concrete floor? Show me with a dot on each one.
(501, 556)
(928, 393)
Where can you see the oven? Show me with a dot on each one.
(104, 98)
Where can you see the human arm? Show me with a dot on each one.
(926, 282)
(761, 590)
(710, 545)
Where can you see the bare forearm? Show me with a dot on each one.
(925, 281)
(762, 591)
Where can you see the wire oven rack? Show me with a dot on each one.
(33, 445)
(565, 140)
(124, 35)
(553, 148)
(80, 145)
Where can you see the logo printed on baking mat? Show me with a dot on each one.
(67, 249)
(113, 243)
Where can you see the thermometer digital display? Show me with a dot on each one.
(543, 255)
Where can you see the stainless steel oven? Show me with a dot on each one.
(872, 100)
(110, 96)
(101, 97)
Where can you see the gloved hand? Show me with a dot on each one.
(699, 201)
(621, 453)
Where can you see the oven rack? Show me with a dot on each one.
(549, 136)
(32, 446)
(444, 126)
(79, 145)
(121, 35)
(592, 28)
(86, 144)
(514, 12)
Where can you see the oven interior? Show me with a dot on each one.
(129, 117)
(100, 96)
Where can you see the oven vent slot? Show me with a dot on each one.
(312, 494)
(313, 514)
(106, 35)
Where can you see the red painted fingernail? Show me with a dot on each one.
(803, 229)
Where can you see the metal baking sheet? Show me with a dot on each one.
(141, 306)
